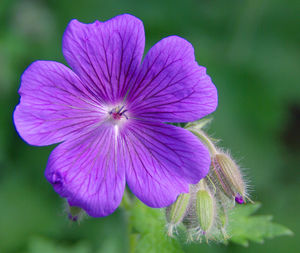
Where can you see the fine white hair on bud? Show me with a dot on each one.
(176, 212)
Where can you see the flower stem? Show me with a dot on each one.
(205, 139)
(126, 204)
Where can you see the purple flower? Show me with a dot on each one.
(108, 115)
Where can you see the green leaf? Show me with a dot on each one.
(244, 227)
(148, 233)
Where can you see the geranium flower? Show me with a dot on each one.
(108, 115)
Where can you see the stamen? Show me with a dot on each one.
(121, 108)
(125, 115)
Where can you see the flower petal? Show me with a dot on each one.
(54, 104)
(171, 86)
(89, 171)
(163, 161)
(105, 54)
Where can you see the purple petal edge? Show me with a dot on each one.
(163, 161)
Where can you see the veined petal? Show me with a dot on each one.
(163, 161)
(105, 54)
(54, 104)
(171, 86)
(90, 171)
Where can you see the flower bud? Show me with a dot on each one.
(75, 213)
(229, 177)
(177, 211)
(223, 221)
(205, 207)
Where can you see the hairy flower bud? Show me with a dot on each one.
(223, 221)
(177, 211)
(229, 177)
(75, 213)
(205, 207)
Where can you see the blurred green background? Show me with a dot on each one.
(252, 52)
